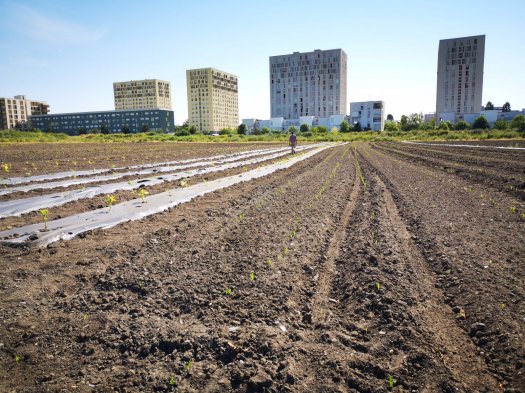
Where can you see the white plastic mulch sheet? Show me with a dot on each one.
(69, 227)
(17, 207)
(147, 169)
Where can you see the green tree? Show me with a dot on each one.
(181, 131)
(518, 122)
(481, 123)
(501, 124)
(241, 130)
(506, 107)
(391, 126)
(357, 127)
(389, 117)
(125, 129)
(404, 123)
(344, 127)
(292, 129)
(304, 128)
(82, 131)
(265, 130)
(144, 128)
(225, 131)
(192, 130)
(489, 106)
(104, 129)
(320, 130)
(461, 125)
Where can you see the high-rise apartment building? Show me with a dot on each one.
(143, 94)
(308, 84)
(212, 99)
(459, 77)
(18, 109)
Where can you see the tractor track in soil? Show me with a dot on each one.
(365, 271)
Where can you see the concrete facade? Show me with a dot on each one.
(142, 94)
(76, 123)
(459, 77)
(18, 109)
(308, 84)
(213, 102)
(370, 114)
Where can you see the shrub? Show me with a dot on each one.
(304, 128)
(481, 123)
(519, 123)
(501, 124)
(391, 126)
(461, 125)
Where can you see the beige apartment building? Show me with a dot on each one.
(143, 94)
(212, 99)
(18, 109)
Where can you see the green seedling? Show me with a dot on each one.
(372, 216)
(142, 194)
(6, 167)
(44, 213)
(85, 317)
(188, 365)
(18, 358)
(492, 202)
(503, 306)
(269, 262)
(513, 209)
(228, 291)
(110, 200)
(285, 250)
(366, 330)
(184, 183)
(378, 286)
(522, 215)
(129, 182)
(171, 382)
(390, 381)
(242, 216)
(252, 276)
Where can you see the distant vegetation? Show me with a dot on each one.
(315, 134)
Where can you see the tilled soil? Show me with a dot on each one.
(367, 269)
(30, 159)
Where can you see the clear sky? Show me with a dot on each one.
(69, 53)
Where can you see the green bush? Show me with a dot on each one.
(501, 124)
(461, 125)
(481, 123)
(518, 123)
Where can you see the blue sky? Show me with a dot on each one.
(69, 53)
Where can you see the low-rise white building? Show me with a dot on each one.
(370, 114)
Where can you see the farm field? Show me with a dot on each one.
(363, 267)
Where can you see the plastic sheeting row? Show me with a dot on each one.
(69, 227)
(142, 170)
(17, 207)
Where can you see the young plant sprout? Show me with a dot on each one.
(188, 365)
(44, 213)
(142, 194)
(390, 381)
(378, 286)
(269, 262)
(18, 358)
(110, 200)
(171, 382)
(6, 167)
(184, 183)
(228, 291)
(252, 276)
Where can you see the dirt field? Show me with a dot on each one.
(366, 268)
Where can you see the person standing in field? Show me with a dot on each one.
(292, 141)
